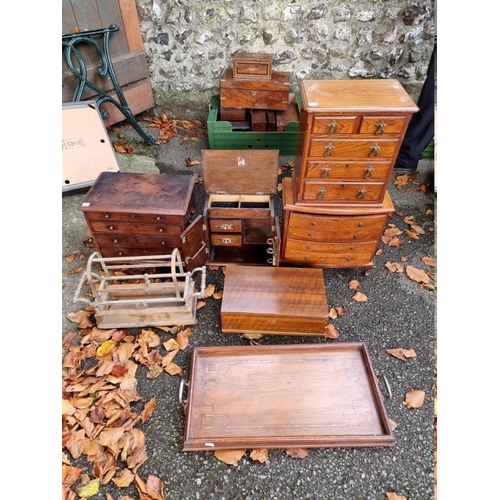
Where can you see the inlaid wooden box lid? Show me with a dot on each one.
(279, 82)
(167, 194)
(284, 396)
(249, 65)
(240, 171)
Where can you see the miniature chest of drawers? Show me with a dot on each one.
(350, 132)
(239, 213)
(336, 236)
(269, 93)
(133, 214)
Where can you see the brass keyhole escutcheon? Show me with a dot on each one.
(332, 127)
(369, 172)
(374, 151)
(325, 171)
(380, 128)
(313, 223)
(329, 148)
(254, 93)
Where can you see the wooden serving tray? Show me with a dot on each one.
(284, 396)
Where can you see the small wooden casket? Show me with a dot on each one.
(239, 210)
(284, 396)
(274, 300)
(252, 66)
(255, 94)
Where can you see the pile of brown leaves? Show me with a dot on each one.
(99, 414)
(169, 128)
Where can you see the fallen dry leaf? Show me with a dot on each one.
(297, 452)
(394, 496)
(217, 295)
(200, 304)
(124, 479)
(411, 234)
(192, 163)
(182, 338)
(209, 291)
(333, 313)
(360, 297)
(260, 455)
(394, 267)
(428, 261)
(252, 336)
(80, 317)
(402, 354)
(418, 275)
(331, 332)
(417, 229)
(229, 457)
(415, 398)
(354, 285)
(393, 424)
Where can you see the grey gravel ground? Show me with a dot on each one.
(399, 313)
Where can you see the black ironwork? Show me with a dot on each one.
(78, 67)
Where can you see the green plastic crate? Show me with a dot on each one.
(222, 136)
(429, 150)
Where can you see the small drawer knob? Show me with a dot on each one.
(111, 228)
(308, 247)
(115, 241)
(106, 216)
(310, 235)
(160, 230)
(132, 215)
(158, 217)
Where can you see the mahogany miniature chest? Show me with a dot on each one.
(132, 214)
(271, 93)
(350, 132)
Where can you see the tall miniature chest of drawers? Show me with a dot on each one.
(336, 204)
(133, 214)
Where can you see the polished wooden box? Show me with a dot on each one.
(139, 214)
(252, 66)
(274, 300)
(255, 94)
(284, 396)
(239, 211)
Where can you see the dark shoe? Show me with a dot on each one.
(401, 169)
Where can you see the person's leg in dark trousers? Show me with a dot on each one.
(420, 130)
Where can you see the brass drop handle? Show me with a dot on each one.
(332, 127)
(325, 171)
(321, 194)
(380, 128)
(225, 227)
(368, 172)
(361, 194)
(329, 149)
(226, 241)
(374, 151)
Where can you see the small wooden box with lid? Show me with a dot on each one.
(336, 204)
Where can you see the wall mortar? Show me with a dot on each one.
(189, 43)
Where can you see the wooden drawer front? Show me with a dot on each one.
(382, 125)
(330, 254)
(362, 150)
(138, 241)
(107, 217)
(133, 228)
(343, 191)
(225, 225)
(226, 240)
(335, 228)
(131, 252)
(355, 171)
(259, 323)
(333, 125)
(254, 99)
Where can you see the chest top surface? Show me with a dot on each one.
(140, 193)
(355, 96)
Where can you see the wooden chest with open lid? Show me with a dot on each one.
(239, 211)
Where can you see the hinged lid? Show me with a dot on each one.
(240, 171)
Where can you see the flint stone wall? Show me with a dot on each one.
(189, 43)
